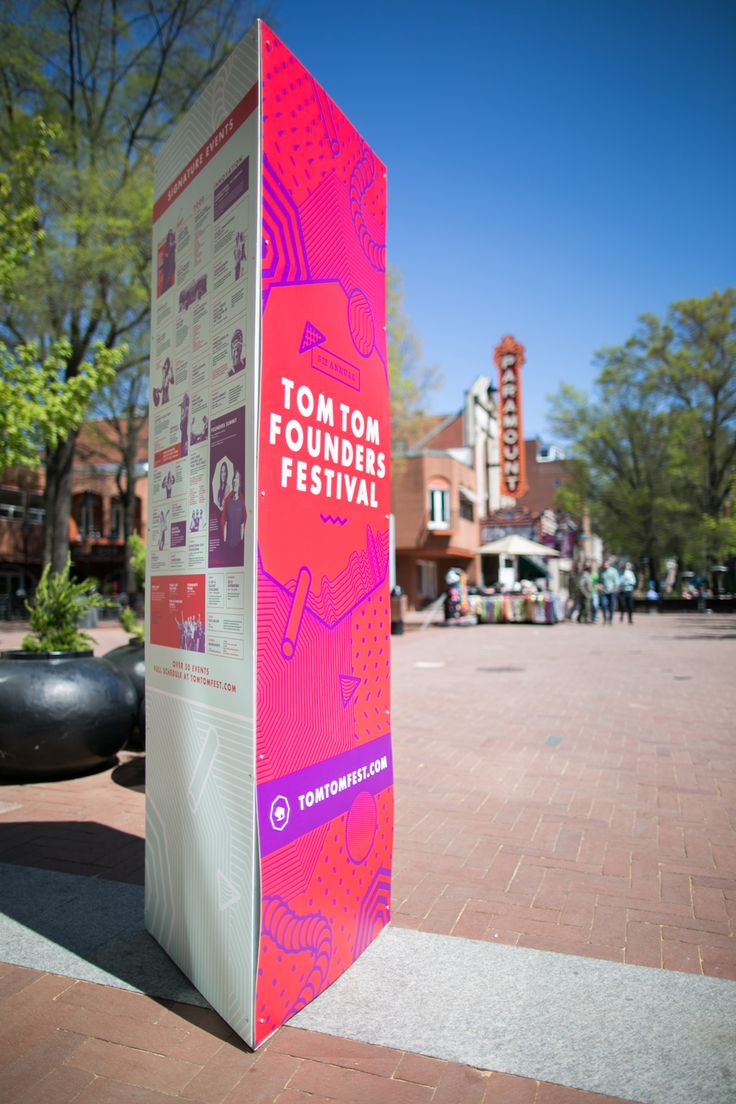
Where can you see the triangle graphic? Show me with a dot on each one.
(311, 337)
(348, 685)
(226, 891)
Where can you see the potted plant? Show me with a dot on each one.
(62, 711)
(129, 658)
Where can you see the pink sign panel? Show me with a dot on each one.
(178, 611)
(323, 744)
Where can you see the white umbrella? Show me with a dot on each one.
(516, 546)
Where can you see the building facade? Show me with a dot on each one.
(447, 502)
(96, 527)
(441, 488)
(535, 516)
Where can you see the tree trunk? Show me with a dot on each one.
(131, 584)
(126, 479)
(652, 558)
(58, 503)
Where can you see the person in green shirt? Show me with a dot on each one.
(609, 581)
(596, 581)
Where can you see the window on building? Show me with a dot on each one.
(427, 579)
(11, 503)
(89, 514)
(117, 521)
(86, 520)
(439, 508)
(467, 509)
(16, 506)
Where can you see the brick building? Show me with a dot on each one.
(440, 489)
(446, 503)
(534, 515)
(96, 533)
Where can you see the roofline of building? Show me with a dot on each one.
(413, 454)
(446, 421)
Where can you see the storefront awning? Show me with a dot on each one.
(533, 567)
(516, 546)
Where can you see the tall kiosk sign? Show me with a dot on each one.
(269, 778)
(510, 356)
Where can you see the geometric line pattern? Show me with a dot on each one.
(284, 254)
(375, 911)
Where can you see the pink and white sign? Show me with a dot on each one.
(324, 771)
(271, 446)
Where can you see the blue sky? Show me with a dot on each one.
(556, 167)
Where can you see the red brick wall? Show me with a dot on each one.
(449, 437)
(544, 480)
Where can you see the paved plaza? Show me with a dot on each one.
(564, 899)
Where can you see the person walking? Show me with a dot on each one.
(586, 596)
(609, 591)
(595, 577)
(572, 606)
(627, 586)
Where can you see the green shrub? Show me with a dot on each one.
(137, 558)
(131, 624)
(58, 606)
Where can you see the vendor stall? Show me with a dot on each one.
(518, 561)
(511, 559)
(537, 609)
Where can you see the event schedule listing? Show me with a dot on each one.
(201, 336)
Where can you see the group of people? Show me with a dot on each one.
(191, 634)
(599, 594)
(231, 504)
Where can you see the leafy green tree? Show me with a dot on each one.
(410, 380)
(110, 77)
(656, 444)
(718, 536)
(693, 359)
(122, 410)
(622, 474)
(19, 215)
(37, 410)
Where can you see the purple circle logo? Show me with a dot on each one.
(279, 813)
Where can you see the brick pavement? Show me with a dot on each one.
(570, 788)
(579, 792)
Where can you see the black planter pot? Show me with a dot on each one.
(61, 713)
(130, 660)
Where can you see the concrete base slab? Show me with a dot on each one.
(630, 1032)
(85, 928)
(626, 1031)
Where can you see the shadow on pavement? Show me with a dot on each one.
(89, 927)
(714, 627)
(74, 847)
(131, 775)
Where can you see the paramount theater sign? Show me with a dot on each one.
(509, 356)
